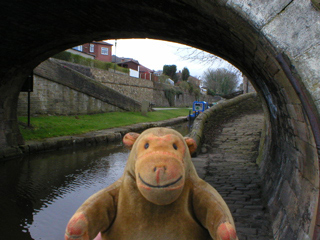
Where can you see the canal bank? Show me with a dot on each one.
(81, 140)
(40, 192)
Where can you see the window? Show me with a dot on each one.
(79, 48)
(104, 51)
(91, 47)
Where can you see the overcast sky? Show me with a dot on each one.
(153, 54)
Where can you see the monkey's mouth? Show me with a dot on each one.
(159, 186)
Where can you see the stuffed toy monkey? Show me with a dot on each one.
(158, 197)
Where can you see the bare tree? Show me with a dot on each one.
(220, 81)
(197, 55)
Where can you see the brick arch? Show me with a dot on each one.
(274, 44)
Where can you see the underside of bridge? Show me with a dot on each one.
(252, 35)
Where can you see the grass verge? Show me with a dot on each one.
(54, 126)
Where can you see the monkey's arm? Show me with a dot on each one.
(94, 215)
(213, 213)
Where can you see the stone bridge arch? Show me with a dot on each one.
(275, 43)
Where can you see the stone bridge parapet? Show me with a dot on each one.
(274, 43)
(289, 200)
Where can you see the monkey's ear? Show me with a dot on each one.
(192, 145)
(129, 139)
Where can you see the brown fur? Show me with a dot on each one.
(159, 196)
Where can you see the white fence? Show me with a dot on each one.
(134, 73)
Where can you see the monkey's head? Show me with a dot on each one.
(160, 161)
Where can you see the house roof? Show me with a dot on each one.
(130, 61)
(102, 43)
(145, 69)
(116, 59)
(119, 61)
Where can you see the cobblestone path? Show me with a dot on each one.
(229, 166)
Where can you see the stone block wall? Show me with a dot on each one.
(136, 88)
(60, 90)
(184, 100)
(290, 168)
(159, 98)
(51, 98)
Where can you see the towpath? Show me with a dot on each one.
(229, 166)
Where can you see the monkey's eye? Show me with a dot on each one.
(146, 145)
(175, 146)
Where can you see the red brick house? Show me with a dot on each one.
(136, 69)
(101, 50)
(148, 74)
(128, 63)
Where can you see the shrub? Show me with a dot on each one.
(191, 87)
(178, 92)
(211, 92)
(197, 93)
(74, 58)
(184, 85)
(66, 56)
(170, 93)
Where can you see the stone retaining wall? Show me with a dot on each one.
(184, 100)
(51, 98)
(136, 88)
(59, 90)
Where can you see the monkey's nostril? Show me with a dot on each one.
(164, 168)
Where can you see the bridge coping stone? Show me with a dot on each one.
(199, 123)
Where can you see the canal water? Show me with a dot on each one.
(39, 193)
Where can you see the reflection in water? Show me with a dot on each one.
(39, 193)
(47, 189)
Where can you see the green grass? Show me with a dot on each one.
(67, 56)
(53, 126)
